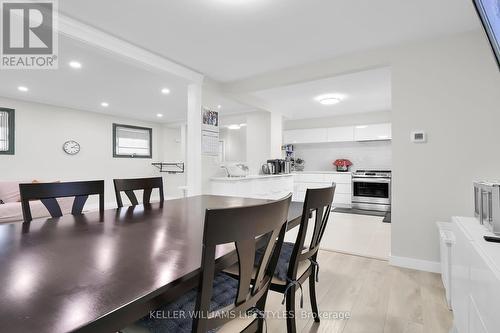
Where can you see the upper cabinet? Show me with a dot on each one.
(312, 135)
(340, 134)
(374, 132)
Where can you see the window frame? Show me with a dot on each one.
(12, 131)
(150, 131)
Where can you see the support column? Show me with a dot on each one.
(193, 141)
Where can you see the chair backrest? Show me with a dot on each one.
(48, 192)
(317, 204)
(129, 185)
(241, 226)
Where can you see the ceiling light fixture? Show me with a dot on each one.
(234, 127)
(219, 106)
(159, 115)
(22, 88)
(75, 64)
(328, 99)
(361, 126)
(165, 91)
(243, 125)
(104, 104)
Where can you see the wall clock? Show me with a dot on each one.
(71, 147)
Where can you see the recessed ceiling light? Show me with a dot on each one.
(329, 99)
(22, 88)
(234, 127)
(362, 126)
(165, 91)
(75, 64)
(219, 106)
(104, 104)
(159, 115)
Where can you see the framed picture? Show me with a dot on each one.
(210, 120)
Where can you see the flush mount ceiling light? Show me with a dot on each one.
(22, 88)
(234, 127)
(165, 91)
(75, 64)
(328, 99)
(104, 104)
(159, 115)
(219, 106)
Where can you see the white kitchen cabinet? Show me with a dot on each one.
(343, 190)
(373, 132)
(475, 278)
(340, 134)
(312, 135)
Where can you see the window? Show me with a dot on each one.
(6, 131)
(132, 141)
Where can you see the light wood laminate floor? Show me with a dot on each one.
(378, 297)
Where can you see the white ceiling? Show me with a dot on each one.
(234, 39)
(365, 91)
(131, 90)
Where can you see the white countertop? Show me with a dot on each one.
(249, 177)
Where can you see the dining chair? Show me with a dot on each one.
(298, 262)
(130, 185)
(222, 302)
(48, 192)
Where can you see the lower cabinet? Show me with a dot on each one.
(475, 279)
(343, 190)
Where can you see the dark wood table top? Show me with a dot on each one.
(98, 274)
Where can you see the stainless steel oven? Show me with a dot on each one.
(371, 190)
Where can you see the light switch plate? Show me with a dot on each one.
(418, 137)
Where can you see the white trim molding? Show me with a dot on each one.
(418, 264)
(81, 32)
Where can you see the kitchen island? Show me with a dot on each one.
(253, 186)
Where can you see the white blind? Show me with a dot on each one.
(4, 131)
(132, 141)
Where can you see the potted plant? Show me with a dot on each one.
(342, 165)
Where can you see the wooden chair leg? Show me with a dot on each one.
(290, 310)
(312, 294)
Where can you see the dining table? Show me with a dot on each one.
(101, 271)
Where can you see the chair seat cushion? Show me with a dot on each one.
(225, 289)
(283, 261)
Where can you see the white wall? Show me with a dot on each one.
(235, 143)
(376, 155)
(171, 150)
(449, 87)
(41, 131)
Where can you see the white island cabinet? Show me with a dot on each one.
(343, 180)
(258, 186)
(475, 278)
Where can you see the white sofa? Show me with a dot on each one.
(11, 211)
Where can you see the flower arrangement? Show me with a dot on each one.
(342, 165)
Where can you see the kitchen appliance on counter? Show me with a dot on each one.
(487, 205)
(276, 167)
(371, 190)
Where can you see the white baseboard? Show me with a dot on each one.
(418, 264)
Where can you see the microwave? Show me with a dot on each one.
(487, 205)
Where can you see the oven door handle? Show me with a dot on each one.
(371, 180)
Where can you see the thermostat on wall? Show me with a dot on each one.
(418, 137)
